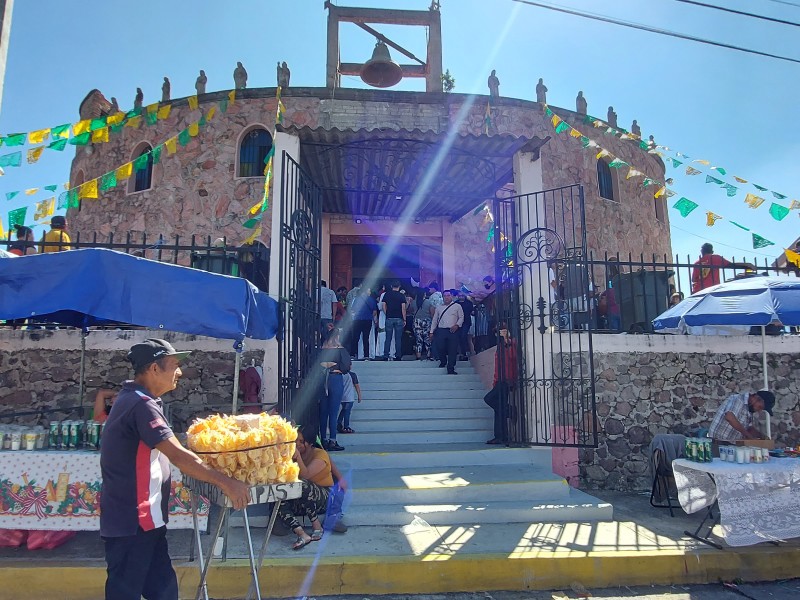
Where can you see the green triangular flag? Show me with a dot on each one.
(585, 141)
(685, 206)
(561, 127)
(548, 112)
(157, 154)
(58, 145)
(151, 118)
(270, 154)
(223, 105)
(117, 127)
(477, 210)
(17, 217)
(73, 201)
(758, 187)
(62, 200)
(108, 181)
(82, 139)
(731, 190)
(51, 188)
(135, 112)
(740, 226)
(710, 179)
(10, 195)
(490, 237)
(141, 162)
(643, 145)
(202, 122)
(720, 170)
(589, 119)
(184, 137)
(778, 212)
(647, 182)
(59, 131)
(15, 139)
(11, 160)
(251, 223)
(617, 163)
(98, 123)
(779, 196)
(760, 242)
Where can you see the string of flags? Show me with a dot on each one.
(684, 206)
(698, 167)
(33, 191)
(82, 133)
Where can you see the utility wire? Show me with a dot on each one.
(656, 30)
(740, 12)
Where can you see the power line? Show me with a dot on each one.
(655, 30)
(740, 12)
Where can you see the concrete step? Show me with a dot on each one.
(381, 438)
(441, 391)
(427, 377)
(429, 405)
(435, 455)
(396, 368)
(577, 507)
(456, 384)
(395, 411)
(377, 424)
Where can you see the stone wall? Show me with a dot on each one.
(41, 370)
(648, 385)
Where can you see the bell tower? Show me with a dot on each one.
(380, 71)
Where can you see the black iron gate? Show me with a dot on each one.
(298, 288)
(544, 316)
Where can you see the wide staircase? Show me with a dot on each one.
(420, 453)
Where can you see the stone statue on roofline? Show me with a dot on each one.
(200, 83)
(635, 129)
(284, 75)
(612, 117)
(114, 106)
(166, 88)
(651, 145)
(138, 100)
(580, 104)
(494, 85)
(541, 92)
(240, 76)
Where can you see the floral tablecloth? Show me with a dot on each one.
(61, 491)
(758, 502)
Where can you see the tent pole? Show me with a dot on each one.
(82, 385)
(236, 368)
(766, 376)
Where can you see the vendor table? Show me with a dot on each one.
(60, 490)
(259, 494)
(758, 502)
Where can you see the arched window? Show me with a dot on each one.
(253, 149)
(142, 177)
(605, 180)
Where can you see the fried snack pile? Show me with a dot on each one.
(224, 435)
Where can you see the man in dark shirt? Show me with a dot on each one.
(364, 311)
(138, 446)
(394, 305)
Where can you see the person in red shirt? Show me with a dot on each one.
(707, 268)
(497, 397)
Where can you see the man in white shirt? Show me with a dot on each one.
(327, 300)
(447, 319)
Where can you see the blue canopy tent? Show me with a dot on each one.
(91, 287)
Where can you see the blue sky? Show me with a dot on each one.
(737, 110)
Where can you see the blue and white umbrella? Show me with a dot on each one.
(757, 300)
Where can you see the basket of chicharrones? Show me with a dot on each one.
(255, 449)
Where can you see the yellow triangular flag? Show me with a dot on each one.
(172, 145)
(792, 257)
(702, 161)
(134, 122)
(211, 112)
(81, 126)
(711, 218)
(252, 237)
(2, 232)
(163, 112)
(51, 207)
(661, 192)
(34, 154)
(193, 102)
(692, 171)
(64, 134)
(555, 120)
(575, 133)
(753, 201)
(795, 204)
(40, 209)
(88, 189)
(37, 137)
(151, 108)
(124, 171)
(602, 153)
(194, 129)
(232, 96)
(31, 191)
(256, 207)
(114, 119)
(739, 179)
(100, 135)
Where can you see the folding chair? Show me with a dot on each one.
(661, 479)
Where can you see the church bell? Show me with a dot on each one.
(381, 71)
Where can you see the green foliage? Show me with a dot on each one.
(448, 82)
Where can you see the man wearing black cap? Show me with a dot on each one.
(734, 419)
(57, 239)
(138, 446)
